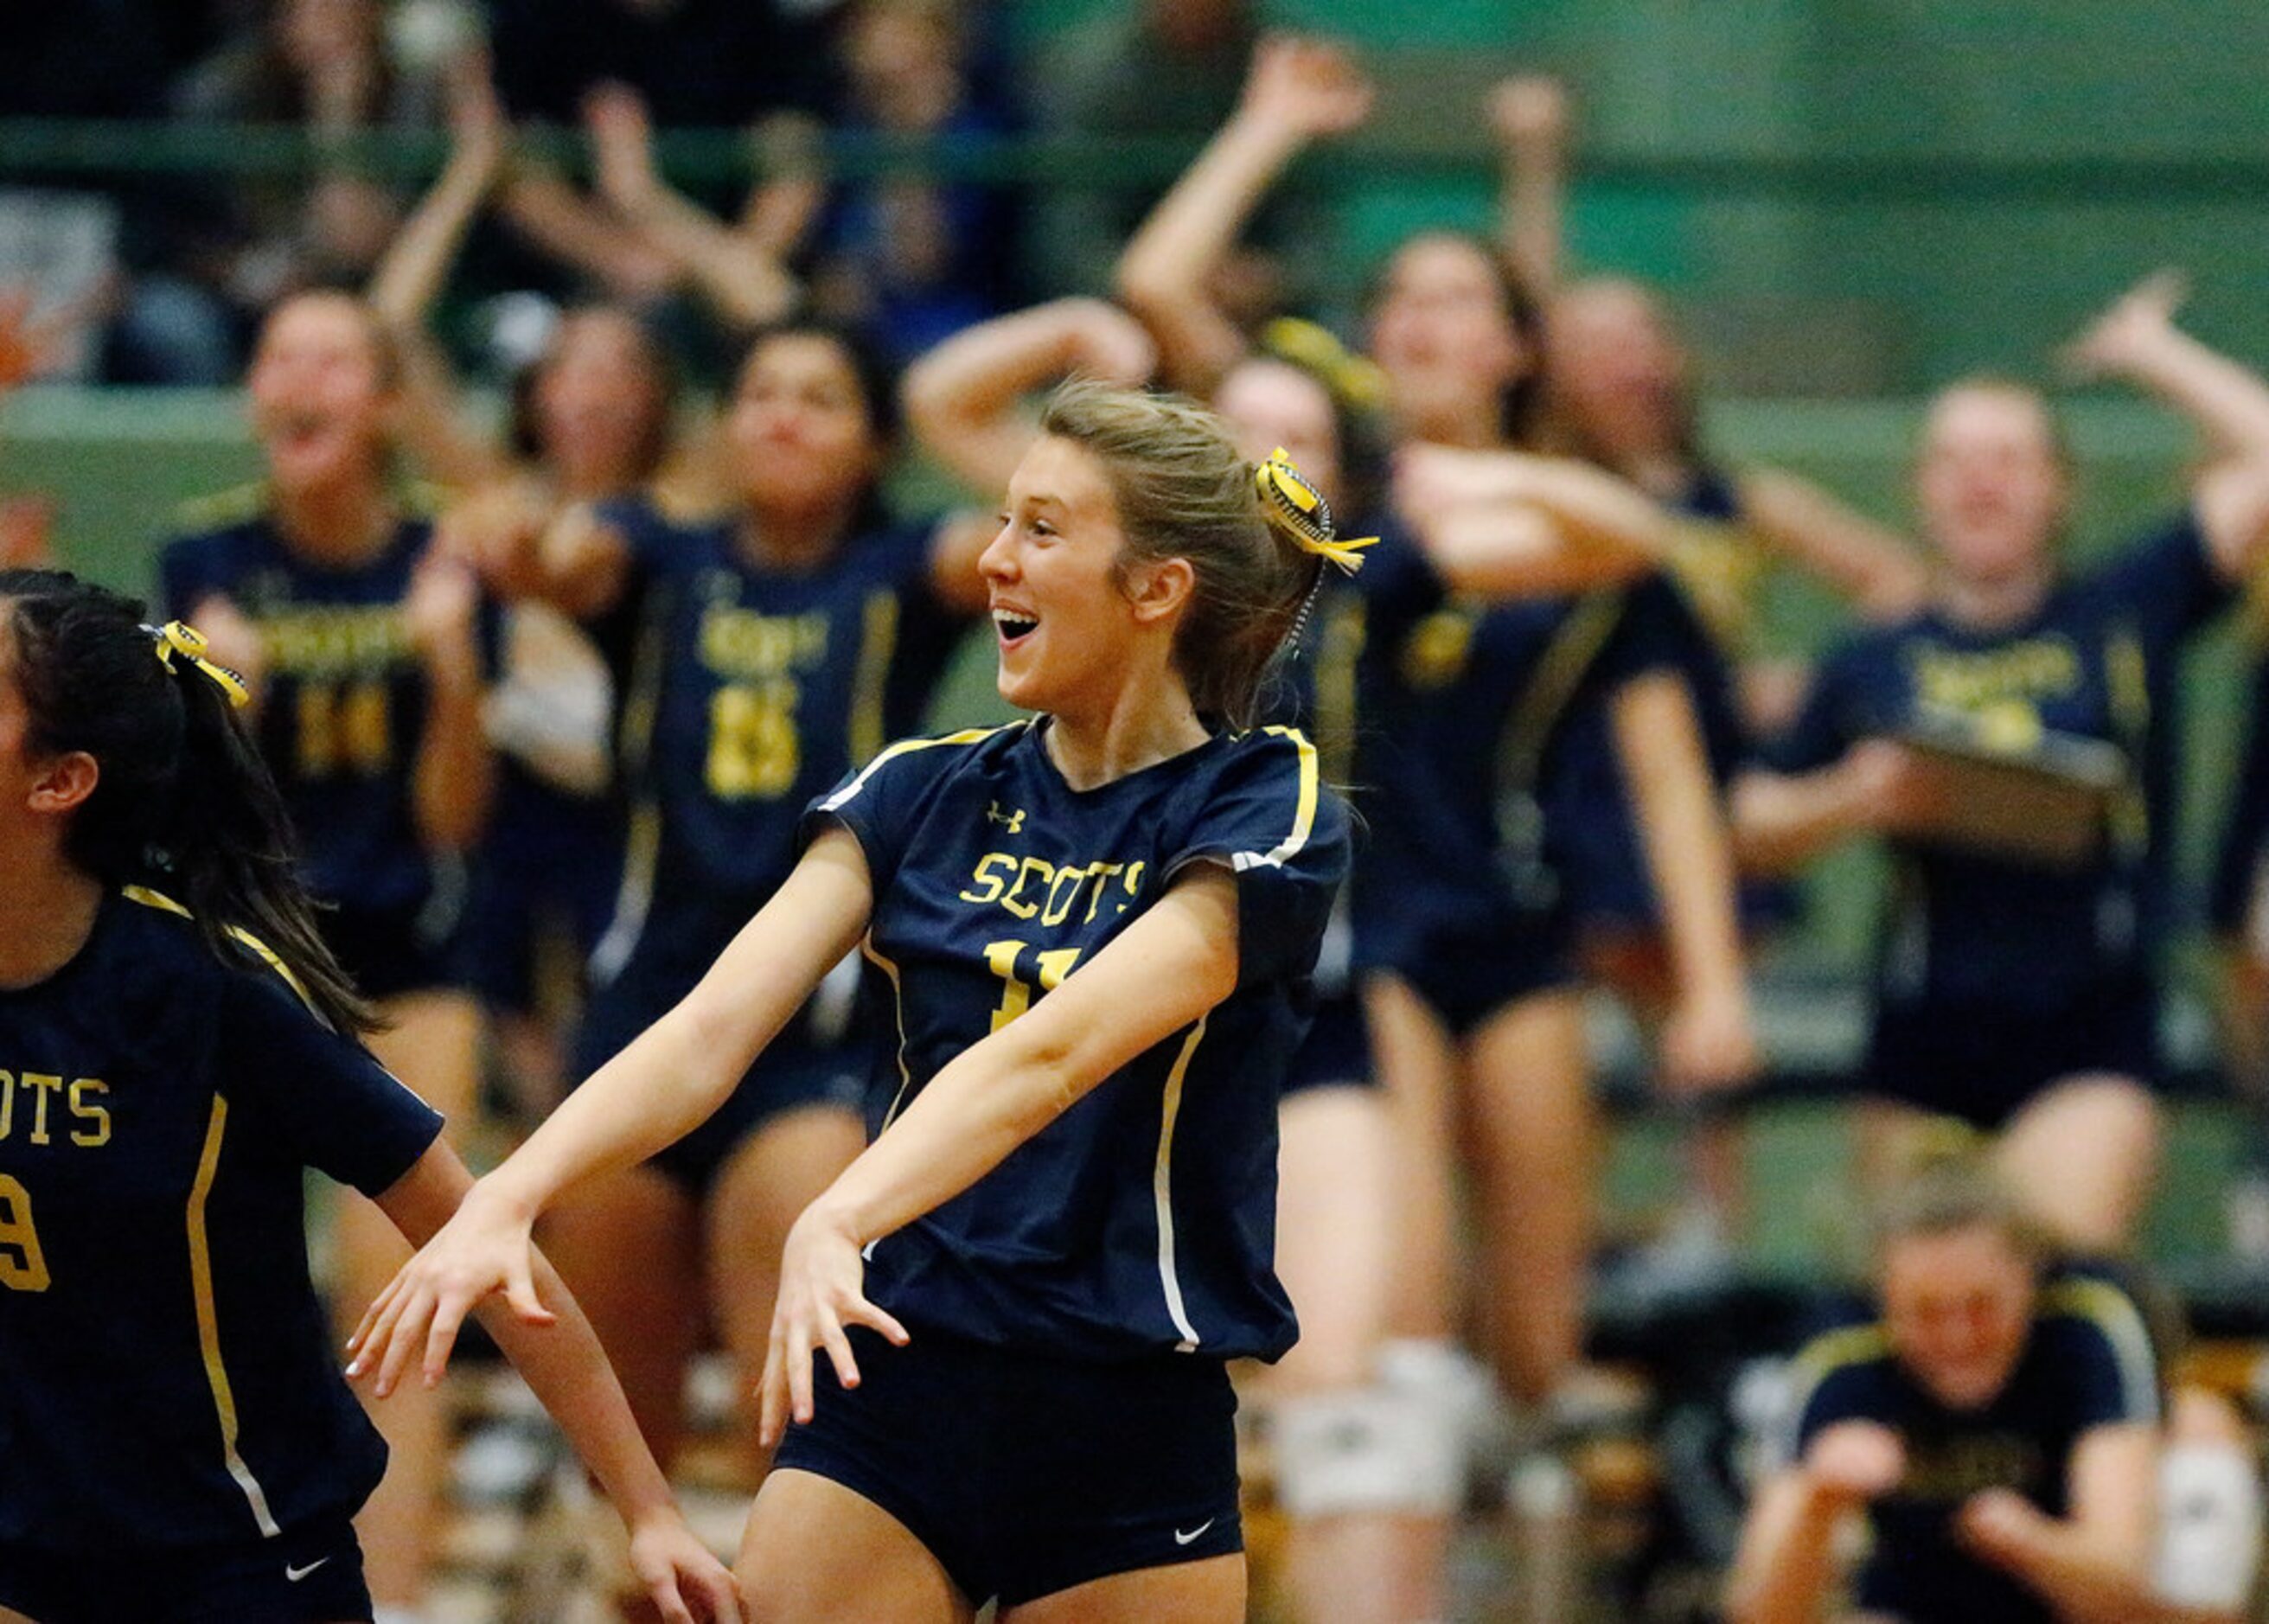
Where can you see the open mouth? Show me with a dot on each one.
(1014, 626)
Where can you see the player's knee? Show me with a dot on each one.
(1365, 1451)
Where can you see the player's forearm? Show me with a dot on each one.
(1786, 1568)
(455, 774)
(567, 1370)
(1683, 830)
(1870, 565)
(2227, 402)
(417, 263)
(673, 1076)
(962, 397)
(1513, 549)
(557, 222)
(2087, 1579)
(739, 277)
(1531, 195)
(1781, 822)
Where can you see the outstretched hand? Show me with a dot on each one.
(484, 1249)
(2138, 320)
(1308, 87)
(682, 1578)
(1529, 111)
(822, 1293)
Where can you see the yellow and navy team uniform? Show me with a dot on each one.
(1315, 688)
(1469, 706)
(1603, 865)
(2087, 1363)
(2241, 871)
(176, 1441)
(1064, 1410)
(342, 718)
(1995, 979)
(744, 690)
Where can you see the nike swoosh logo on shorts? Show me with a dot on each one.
(1183, 1539)
(292, 1576)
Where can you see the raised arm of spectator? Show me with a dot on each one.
(966, 399)
(2136, 342)
(1298, 89)
(738, 274)
(417, 266)
(1511, 524)
(524, 546)
(1529, 115)
(1872, 567)
(453, 780)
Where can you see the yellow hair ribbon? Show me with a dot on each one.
(1298, 510)
(1355, 380)
(177, 636)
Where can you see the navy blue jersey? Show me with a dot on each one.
(342, 711)
(1142, 1219)
(2087, 1364)
(2098, 659)
(167, 1376)
(1468, 708)
(742, 692)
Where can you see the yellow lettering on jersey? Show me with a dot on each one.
(1965, 683)
(1063, 898)
(7, 1104)
(1000, 957)
(23, 1265)
(1103, 873)
(992, 872)
(742, 645)
(1434, 655)
(1025, 870)
(46, 1085)
(84, 1109)
(334, 640)
(754, 750)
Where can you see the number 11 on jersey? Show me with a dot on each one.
(1002, 958)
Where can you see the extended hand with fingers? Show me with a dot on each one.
(822, 1293)
(682, 1578)
(485, 1248)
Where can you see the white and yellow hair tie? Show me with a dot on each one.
(1298, 510)
(179, 638)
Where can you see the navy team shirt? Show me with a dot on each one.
(1444, 678)
(343, 714)
(1142, 1219)
(2087, 1364)
(168, 1376)
(2099, 659)
(744, 692)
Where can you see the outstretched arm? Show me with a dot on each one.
(666, 1083)
(2093, 1566)
(1786, 1566)
(410, 276)
(557, 1354)
(739, 273)
(1298, 90)
(2136, 342)
(1511, 524)
(1710, 1041)
(1870, 565)
(1163, 972)
(1530, 117)
(965, 398)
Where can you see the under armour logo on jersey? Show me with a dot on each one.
(1014, 820)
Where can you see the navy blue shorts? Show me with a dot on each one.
(1025, 1475)
(1985, 1063)
(551, 860)
(1466, 977)
(1336, 1051)
(310, 1576)
(387, 952)
(796, 1069)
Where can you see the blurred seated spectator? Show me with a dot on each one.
(906, 260)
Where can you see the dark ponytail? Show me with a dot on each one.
(183, 802)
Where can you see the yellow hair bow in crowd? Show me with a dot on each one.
(1356, 380)
(177, 636)
(1298, 509)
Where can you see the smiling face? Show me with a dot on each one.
(1991, 481)
(1073, 617)
(319, 393)
(1958, 1307)
(803, 433)
(599, 397)
(1441, 330)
